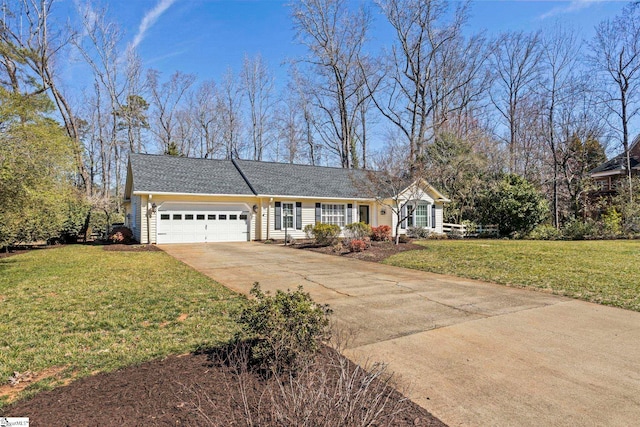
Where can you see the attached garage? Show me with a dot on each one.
(202, 223)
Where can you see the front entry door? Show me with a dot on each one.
(363, 211)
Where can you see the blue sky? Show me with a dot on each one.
(205, 37)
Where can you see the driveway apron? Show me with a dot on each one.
(472, 353)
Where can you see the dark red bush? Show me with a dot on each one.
(121, 235)
(357, 245)
(381, 233)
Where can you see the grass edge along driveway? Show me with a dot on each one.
(603, 272)
(78, 310)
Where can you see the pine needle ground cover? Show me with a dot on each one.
(77, 310)
(604, 272)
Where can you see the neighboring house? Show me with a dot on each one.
(172, 199)
(607, 175)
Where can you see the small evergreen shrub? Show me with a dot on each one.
(283, 329)
(545, 232)
(578, 230)
(612, 222)
(325, 234)
(308, 231)
(121, 235)
(381, 233)
(357, 245)
(357, 230)
(418, 232)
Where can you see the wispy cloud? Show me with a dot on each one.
(573, 6)
(149, 19)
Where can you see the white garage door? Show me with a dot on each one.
(201, 223)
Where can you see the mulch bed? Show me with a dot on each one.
(117, 247)
(186, 390)
(376, 253)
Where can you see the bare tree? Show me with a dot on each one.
(302, 102)
(560, 60)
(432, 72)
(228, 106)
(166, 99)
(515, 63)
(615, 55)
(257, 84)
(335, 35)
(203, 110)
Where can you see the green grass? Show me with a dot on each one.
(83, 310)
(604, 272)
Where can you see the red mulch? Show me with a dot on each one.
(376, 253)
(187, 390)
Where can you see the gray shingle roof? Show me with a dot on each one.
(170, 174)
(283, 179)
(619, 162)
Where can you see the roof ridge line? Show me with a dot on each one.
(243, 176)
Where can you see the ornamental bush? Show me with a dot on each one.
(357, 245)
(283, 329)
(418, 232)
(357, 230)
(325, 234)
(121, 235)
(381, 233)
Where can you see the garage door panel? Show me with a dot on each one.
(202, 223)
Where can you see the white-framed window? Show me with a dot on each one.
(333, 214)
(288, 213)
(421, 215)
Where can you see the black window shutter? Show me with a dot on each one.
(349, 213)
(278, 216)
(318, 213)
(403, 217)
(433, 216)
(298, 215)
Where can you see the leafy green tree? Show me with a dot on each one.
(36, 167)
(514, 205)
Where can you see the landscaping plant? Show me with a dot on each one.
(283, 329)
(381, 233)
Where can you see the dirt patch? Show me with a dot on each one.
(131, 248)
(24, 249)
(21, 380)
(377, 252)
(187, 390)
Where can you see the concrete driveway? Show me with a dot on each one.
(472, 353)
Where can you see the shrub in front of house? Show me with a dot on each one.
(357, 245)
(308, 231)
(121, 235)
(325, 234)
(357, 230)
(381, 233)
(418, 232)
(284, 329)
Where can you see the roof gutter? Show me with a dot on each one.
(243, 176)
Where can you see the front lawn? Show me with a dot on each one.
(605, 272)
(71, 311)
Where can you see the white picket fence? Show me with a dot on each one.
(463, 230)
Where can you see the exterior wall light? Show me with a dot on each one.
(154, 207)
(383, 211)
(255, 208)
